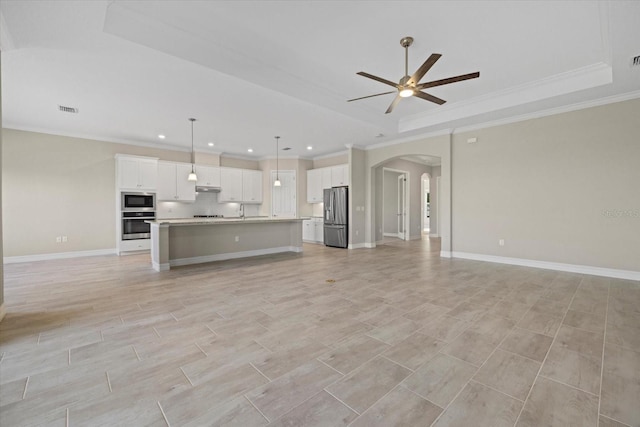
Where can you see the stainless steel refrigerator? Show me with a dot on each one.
(336, 217)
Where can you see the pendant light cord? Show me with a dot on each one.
(277, 163)
(193, 160)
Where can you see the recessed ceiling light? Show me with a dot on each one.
(211, 144)
(309, 147)
(250, 150)
(161, 136)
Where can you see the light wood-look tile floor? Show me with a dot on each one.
(393, 336)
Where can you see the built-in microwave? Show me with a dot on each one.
(138, 202)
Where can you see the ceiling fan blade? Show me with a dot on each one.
(428, 97)
(370, 96)
(426, 66)
(378, 79)
(393, 104)
(448, 81)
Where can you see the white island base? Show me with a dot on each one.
(195, 241)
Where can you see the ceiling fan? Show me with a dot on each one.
(408, 85)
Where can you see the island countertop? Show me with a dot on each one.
(217, 221)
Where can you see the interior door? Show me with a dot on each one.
(283, 198)
(402, 211)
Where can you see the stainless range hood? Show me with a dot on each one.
(207, 189)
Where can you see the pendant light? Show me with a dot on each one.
(277, 182)
(192, 175)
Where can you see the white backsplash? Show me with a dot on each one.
(205, 204)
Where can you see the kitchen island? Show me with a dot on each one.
(176, 242)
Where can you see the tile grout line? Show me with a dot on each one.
(106, 373)
(604, 343)
(613, 419)
(26, 384)
(136, 352)
(200, 348)
(340, 400)
(330, 367)
(555, 336)
(478, 370)
(419, 395)
(67, 418)
(495, 389)
(69, 358)
(568, 385)
(518, 354)
(381, 398)
(259, 411)
(164, 416)
(186, 376)
(260, 372)
(400, 364)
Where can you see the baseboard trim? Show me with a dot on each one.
(371, 245)
(445, 254)
(416, 237)
(160, 267)
(2, 312)
(232, 255)
(390, 234)
(58, 255)
(570, 268)
(358, 246)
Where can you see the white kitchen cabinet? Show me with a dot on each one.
(313, 230)
(314, 186)
(340, 176)
(230, 185)
(251, 186)
(308, 230)
(326, 178)
(137, 173)
(173, 184)
(318, 230)
(208, 176)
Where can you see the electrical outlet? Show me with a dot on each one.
(59, 239)
(64, 239)
(237, 238)
(501, 242)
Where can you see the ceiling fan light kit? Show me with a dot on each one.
(409, 86)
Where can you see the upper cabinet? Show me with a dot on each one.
(230, 185)
(314, 186)
(321, 178)
(340, 176)
(173, 184)
(251, 186)
(208, 176)
(240, 185)
(137, 173)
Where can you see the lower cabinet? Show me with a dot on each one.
(313, 230)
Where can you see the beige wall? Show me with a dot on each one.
(563, 188)
(2, 311)
(324, 162)
(61, 186)
(234, 162)
(433, 196)
(357, 196)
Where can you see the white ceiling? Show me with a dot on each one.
(250, 70)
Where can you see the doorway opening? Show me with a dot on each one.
(395, 208)
(425, 203)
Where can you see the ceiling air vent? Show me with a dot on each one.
(635, 61)
(286, 149)
(64, 109)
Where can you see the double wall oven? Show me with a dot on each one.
(136, 209)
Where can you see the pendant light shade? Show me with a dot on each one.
(192, 176)
(277, 182)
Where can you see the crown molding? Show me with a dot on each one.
(91, 137)
(552, 111)
(330, 155)
(411, 138)
(587, 77)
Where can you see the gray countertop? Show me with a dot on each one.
(218, 221)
